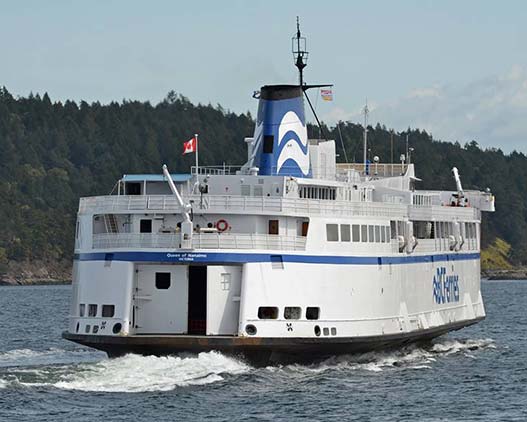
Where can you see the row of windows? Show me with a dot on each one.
(290, 312)
(357, 233)
(382, 234)
(318, 192)
(108, 311)
(442, 229)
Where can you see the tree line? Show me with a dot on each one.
(52, 153)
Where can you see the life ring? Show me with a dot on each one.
(222, 225)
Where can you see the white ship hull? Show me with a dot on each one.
(365, 303)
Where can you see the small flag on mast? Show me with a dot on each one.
(326, 94)
(190, 146)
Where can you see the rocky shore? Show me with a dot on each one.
(36, 272)
(517, 273)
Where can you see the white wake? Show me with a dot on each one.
(411, 357)
(52, 356)
(134, 373)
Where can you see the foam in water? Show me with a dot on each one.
(52, 356)
(411, 357)
(133, 373)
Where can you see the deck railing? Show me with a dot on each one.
(373, 169)
(224, 204)
(199, 241)
(238, 205)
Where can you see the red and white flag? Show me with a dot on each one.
(190, 146)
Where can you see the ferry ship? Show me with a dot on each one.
(291, 256)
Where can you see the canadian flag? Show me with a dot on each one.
(190, 146)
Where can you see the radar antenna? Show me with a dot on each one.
(365, 111)
(300, 56)
(299, 52)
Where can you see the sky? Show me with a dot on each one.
(457, 69)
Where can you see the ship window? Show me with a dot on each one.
(364, 233)
(292, 312)
(393, 228)
(325, 330)
(133, 188)
(345, 235)
(312, 312)
(82, 309)
(108, 311)
(470, 231)
(332, 232)
(268, 312)
(268, 144)
(377, 234)
(145, 226)
(387, 228)
(371, 233)
(355, 231)
(273, 226)
(92, 310)
(383, 234)
(305, 228)
(162, 281)
(333, 331)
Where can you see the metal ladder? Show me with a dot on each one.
(110, 223)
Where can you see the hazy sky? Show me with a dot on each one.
(455, 68)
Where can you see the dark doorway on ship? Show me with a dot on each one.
(197, 300)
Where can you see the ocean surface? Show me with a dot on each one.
(476, 374)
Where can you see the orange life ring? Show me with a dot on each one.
(222, 225)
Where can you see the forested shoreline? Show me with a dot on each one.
(54, 152)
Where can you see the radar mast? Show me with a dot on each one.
(299, 52)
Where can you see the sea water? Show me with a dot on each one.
(476, 374)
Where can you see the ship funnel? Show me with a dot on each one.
(280, 136)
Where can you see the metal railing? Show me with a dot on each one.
(199, 241)
(239, 205)
(215, 170)
(374, 169)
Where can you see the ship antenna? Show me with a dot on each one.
(299, 52)
(300, 55)
(366, 111)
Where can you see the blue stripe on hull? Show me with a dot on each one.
(239, 258)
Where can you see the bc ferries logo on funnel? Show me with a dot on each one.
(292, 144)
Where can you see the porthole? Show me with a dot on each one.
(317, 330)
(87, 329)
(117, 328)
(95, 329)
(333, 331)
(250, 329)
(325, 330)
(77, 327)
